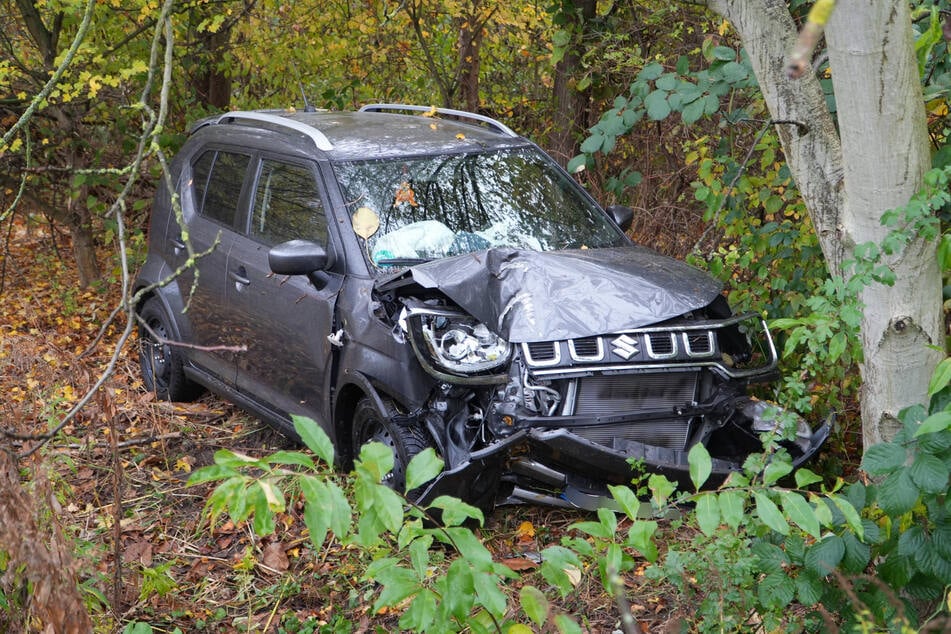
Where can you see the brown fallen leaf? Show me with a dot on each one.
(275, 558)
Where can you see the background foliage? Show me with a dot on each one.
(652, 105)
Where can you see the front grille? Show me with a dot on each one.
(542, 353)
(611, 394)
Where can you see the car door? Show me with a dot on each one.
(287, 319)
(211, 196)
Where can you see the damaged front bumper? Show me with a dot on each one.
(567, 470)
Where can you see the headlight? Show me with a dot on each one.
(453, 345)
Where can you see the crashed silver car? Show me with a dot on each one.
(428, 278)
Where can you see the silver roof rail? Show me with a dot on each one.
(315, 135)
(396, 107)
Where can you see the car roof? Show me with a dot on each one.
(373, 134)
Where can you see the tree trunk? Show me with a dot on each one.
(570, 105)
(847, 185)
(884, 136)
(470, 42)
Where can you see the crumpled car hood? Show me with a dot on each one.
(527, 296)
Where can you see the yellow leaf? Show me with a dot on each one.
(431, 112)
(574, 575)
(525, 530)
(724, 27)
(460, 136)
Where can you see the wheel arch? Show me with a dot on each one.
(356, 387)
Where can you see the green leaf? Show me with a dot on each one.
(930, 473)
(800, 512)
(567, 625)
(823, 557)
(459, 595)
(641, 537)
(650, 72)
(940, 378)
(661, 489)
(700, 465)
(734, 72)
(667, 81)
(626, 500)
(534, 604)
(424, 466)
(775, 470)
(731, 508)
(263, 522)
(769, 513)
(593, 143)
(388, 507)
(708, 513)
(857, 555)
(291, 457)
(224, 495)
(809, 588)
(883, 458)
(724, 53)
(805, 477)
(455, 511)
(561, 568)
(657, 106)
(421, 612)
(210, 473)
(490, 595)
(897, 494)
(314, 438)
(376, 460)
(769, 557)
(692, 112)
(227, 458)
(776, 590)
(398, 583)
(577, 164)
(940, 421)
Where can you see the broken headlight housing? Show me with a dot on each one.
(453, 346)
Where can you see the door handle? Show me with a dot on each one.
(239, 277)
(178, 244)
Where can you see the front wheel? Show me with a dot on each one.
(160, 360)
(405, 441)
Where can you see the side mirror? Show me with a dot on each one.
(297, 257)
(622, 216)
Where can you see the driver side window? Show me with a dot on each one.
(287, 205)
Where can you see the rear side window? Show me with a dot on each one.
(217, 178)
(287, 205)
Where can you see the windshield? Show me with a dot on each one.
(420, 209)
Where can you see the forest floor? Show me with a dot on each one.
(113, 482)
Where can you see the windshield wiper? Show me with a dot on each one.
(402, 261)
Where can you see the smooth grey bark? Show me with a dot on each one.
(849, 179)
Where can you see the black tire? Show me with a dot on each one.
(162, 363)
(404, 440)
